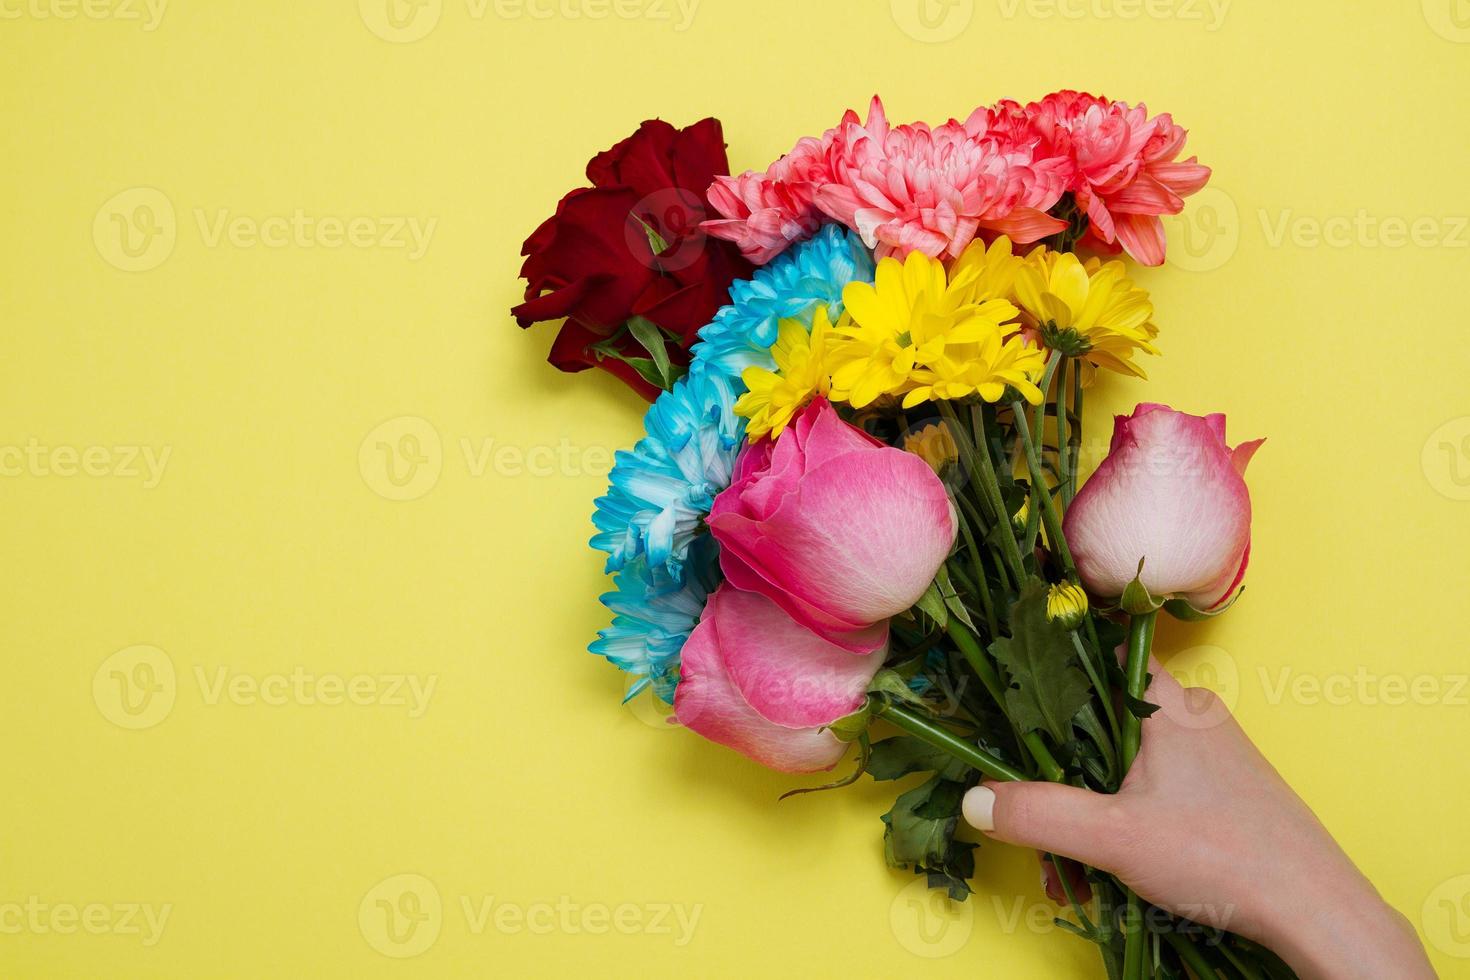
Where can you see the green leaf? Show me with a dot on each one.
(914, 839)
(648, 334)
(1048, 687)
(1137, 708)
(952, 600)
(656, 242)
(864, 751)
(1137, 600)
(894, 686)
(894, 758)
(919, 834)
(932, 603)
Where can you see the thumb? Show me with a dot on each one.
(1075, 823)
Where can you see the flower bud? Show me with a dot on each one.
(1066, 604)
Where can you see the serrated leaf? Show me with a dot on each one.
(894, 758)
(1047, 687)
(913, 840)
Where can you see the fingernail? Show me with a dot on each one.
(979, 808)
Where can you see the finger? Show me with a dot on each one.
(1075, 823)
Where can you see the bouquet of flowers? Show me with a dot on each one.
(858, 497)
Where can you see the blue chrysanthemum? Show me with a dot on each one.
(651, 624)
(811, 273)
(651, 520)
(662, 489)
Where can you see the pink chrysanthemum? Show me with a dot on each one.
(1124, 171)
(766, 212)
(931, 190)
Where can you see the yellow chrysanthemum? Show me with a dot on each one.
(916, 332)
(986, 272)
(774, 397)
(1088, 310)
(935, 445)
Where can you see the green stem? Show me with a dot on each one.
(1246, 970)
(991, 486)
(1034, 746)
(1066, 884)
(1052, 363)
(1064, 475)
(982, 587)
(1042, 493)
(1135, 938)
(941, 738)
(1074, 444)
(1191, 956)
(1104, 693)
(1140, 641)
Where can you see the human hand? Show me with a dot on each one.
(1206, 829)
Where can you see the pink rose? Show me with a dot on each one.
(753, 680)
(1173, 494)
(836, 528)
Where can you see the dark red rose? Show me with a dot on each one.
(597, 261)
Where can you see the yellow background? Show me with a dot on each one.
(270, 544)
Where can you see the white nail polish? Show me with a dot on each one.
(979, 808)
